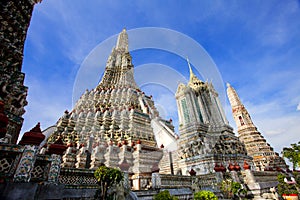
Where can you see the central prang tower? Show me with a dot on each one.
(116, 124)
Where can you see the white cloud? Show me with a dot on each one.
(286, 129)
(272, 109)
(279, 126)
(46, 103)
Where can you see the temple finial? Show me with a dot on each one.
(192, 75)
(233, 97)
(122, 43)
(188, 61)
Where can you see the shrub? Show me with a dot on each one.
(205, 195)
(164, 195)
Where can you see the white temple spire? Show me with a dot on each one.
(233, 96)
(190, 68)
(188, 61)
(122, 43)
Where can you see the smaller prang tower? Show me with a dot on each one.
(206, 139)
(264, 157)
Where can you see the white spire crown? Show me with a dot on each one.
(122, 43)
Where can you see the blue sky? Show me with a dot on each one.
(254, 44)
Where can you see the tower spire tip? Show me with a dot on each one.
(188, 61)
(122, 43)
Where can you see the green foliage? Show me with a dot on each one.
(107, 177)
(297, 177)
(205, 195)
(284, 188)
(293, 154)
(164, 195)
(236, 187)
(231, 188)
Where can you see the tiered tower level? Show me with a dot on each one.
(14, 19)
(116, 123)
(206, 139)
(263, 154)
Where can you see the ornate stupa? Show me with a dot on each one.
(264, 156)
(207, 142)
(116, 123)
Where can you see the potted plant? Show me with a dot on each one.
(287, 187)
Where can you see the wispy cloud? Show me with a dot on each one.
(278, 126)
(46, 104)
(298, 107)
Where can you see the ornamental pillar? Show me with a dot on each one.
(56, 150)
(31, 141)
(54, 168)
(26, 164)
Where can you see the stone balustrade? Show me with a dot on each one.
(160, 181)
(207, 181)
(77, 178)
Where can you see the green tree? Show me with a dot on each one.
(164, 195)
(205, 195)
(283, 187)
(293, 154)
(107, 177)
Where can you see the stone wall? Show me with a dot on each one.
(29, 191)
(260, 182)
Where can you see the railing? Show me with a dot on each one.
(207, 181)
(160, 181)
(77, 178)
